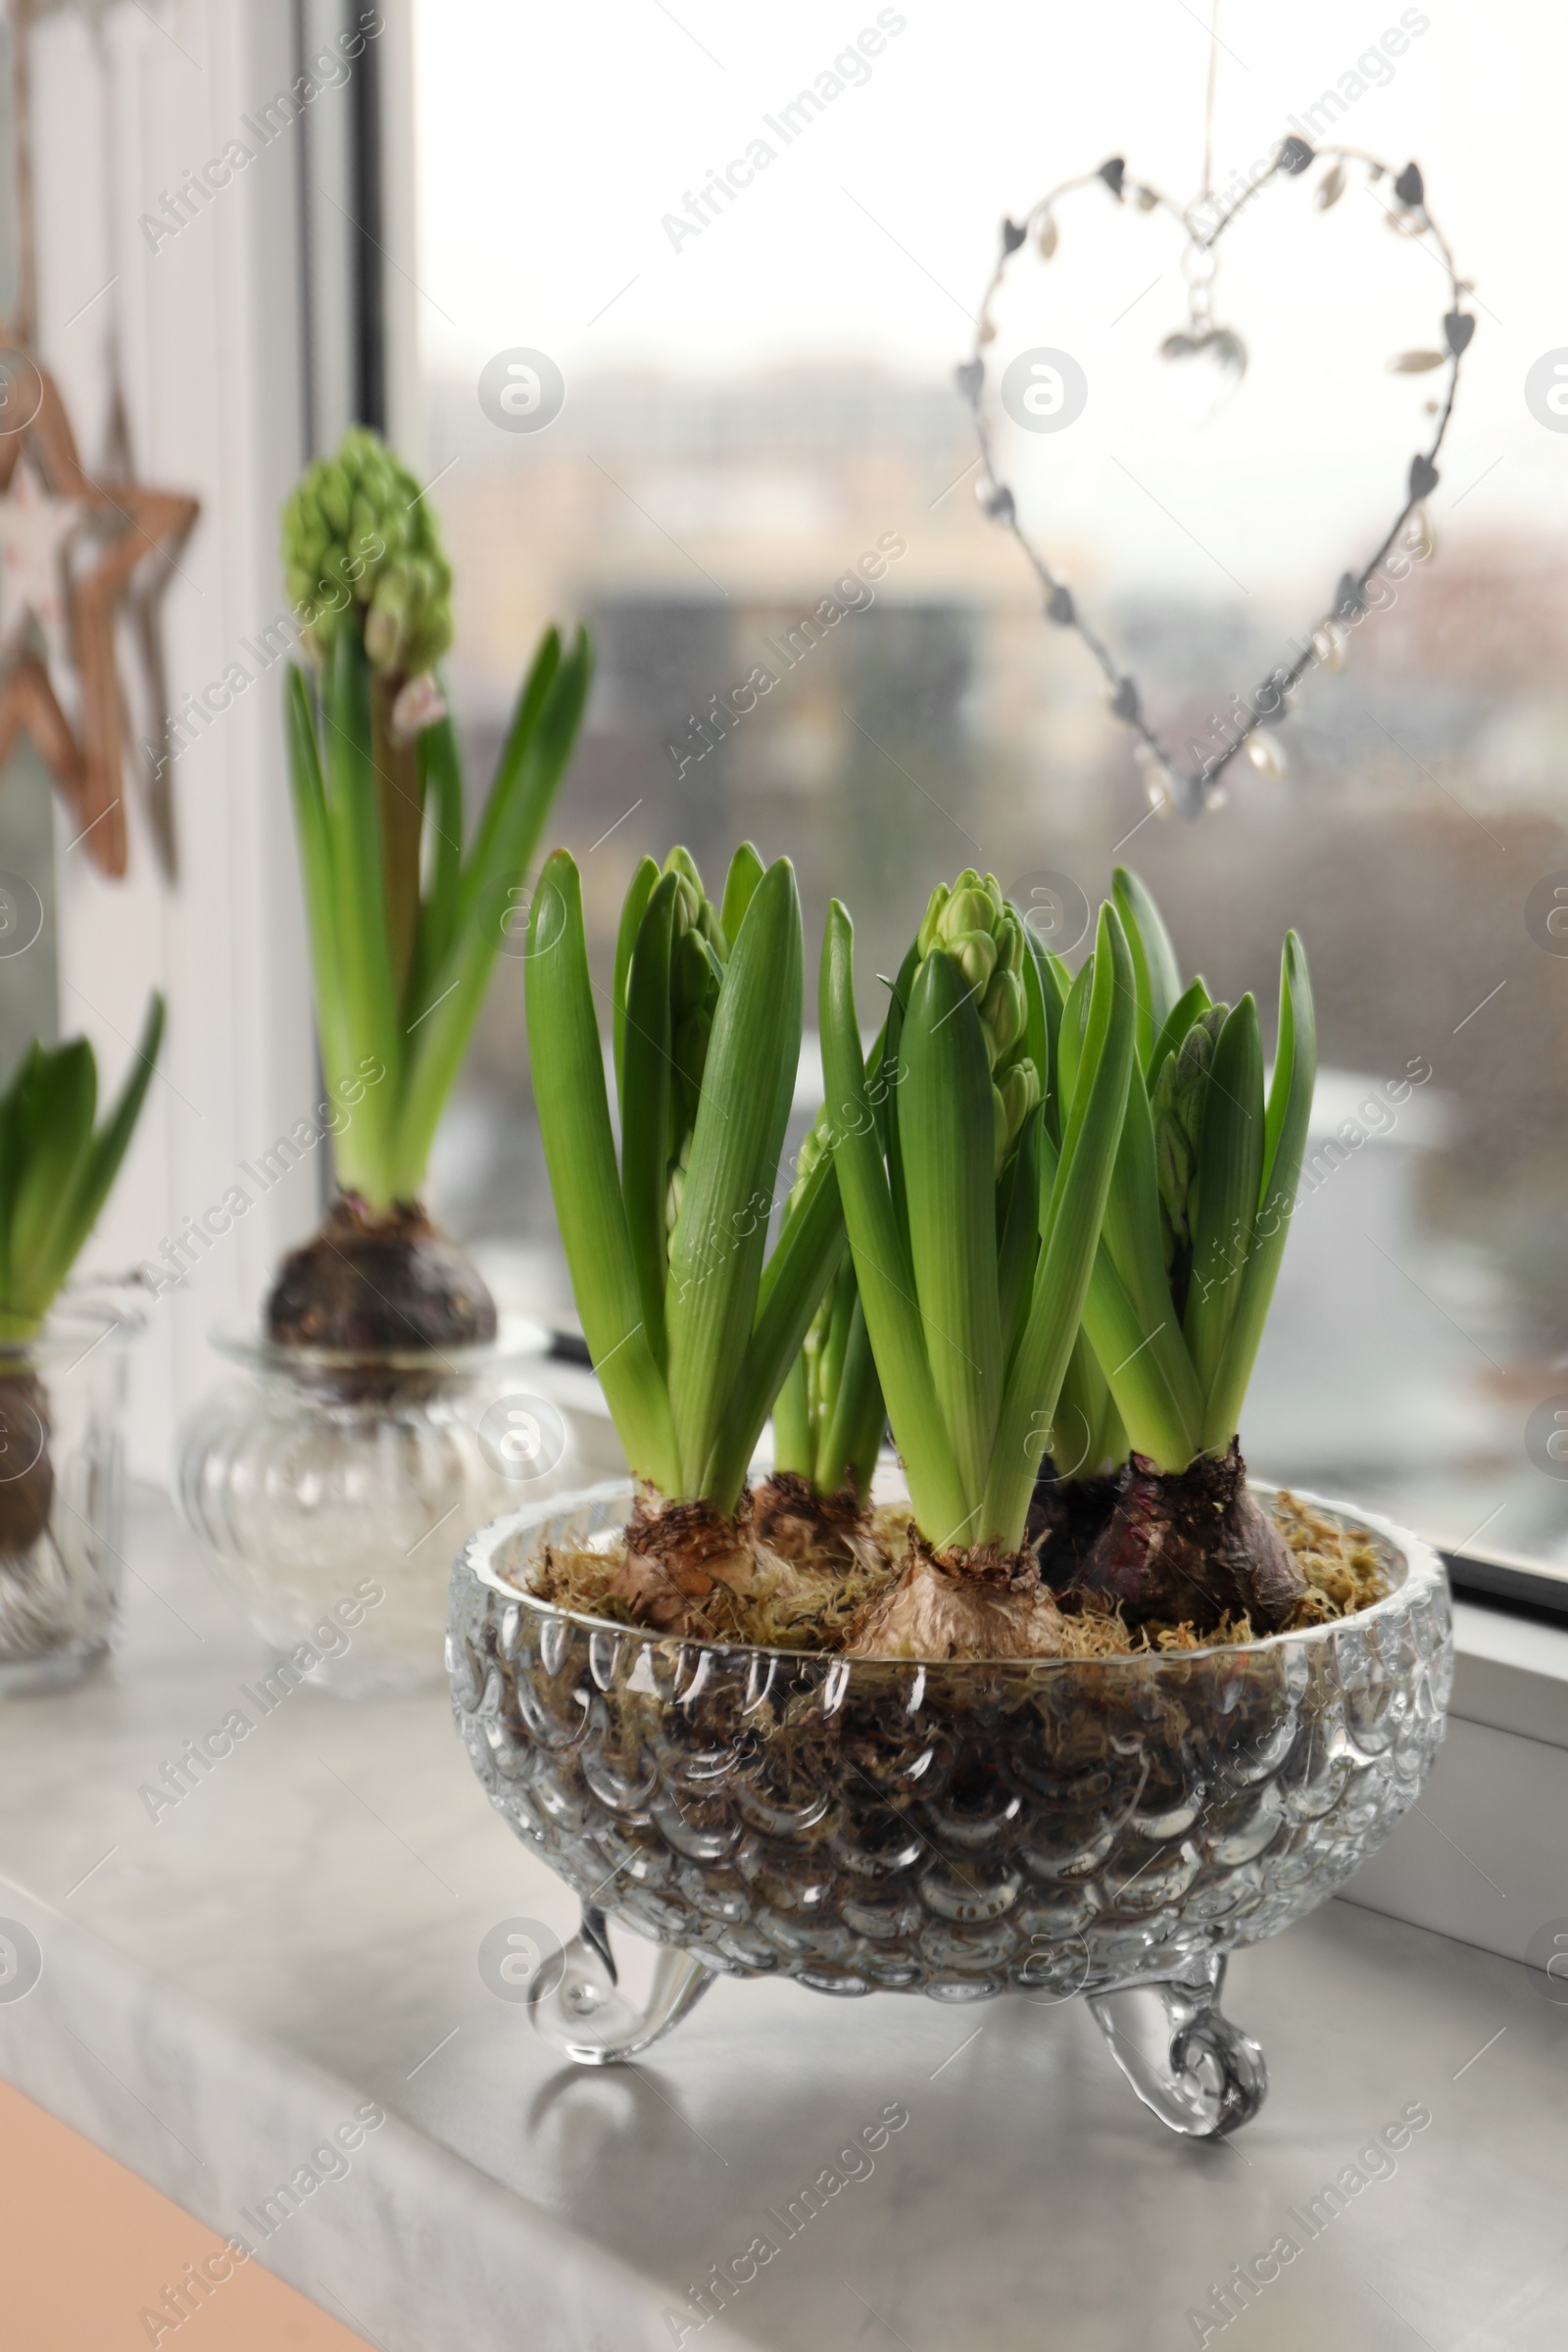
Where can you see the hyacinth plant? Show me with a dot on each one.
(56, 1165)
(1195, 1228)
(692, 1326)
(404, 920)
(972, 1195)
(830, 1416)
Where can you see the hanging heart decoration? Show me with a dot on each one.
(1202, 342)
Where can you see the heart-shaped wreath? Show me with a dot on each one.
(1192, 790)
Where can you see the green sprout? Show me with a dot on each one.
(692, 1327)
(1199, 1204)
(57, 1167)
(404, 922)
(973, 1190)
(830, 1415)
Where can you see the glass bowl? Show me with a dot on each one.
(1108, 1826)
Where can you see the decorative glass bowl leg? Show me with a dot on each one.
(1201, 2075)
(580, 2010)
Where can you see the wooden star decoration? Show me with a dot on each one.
(71, 549)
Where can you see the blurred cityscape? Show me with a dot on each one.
(820, 532)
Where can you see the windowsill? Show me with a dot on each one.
(1511, 1673)
(222, 1987)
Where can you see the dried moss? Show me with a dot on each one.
(810, 1604)
(789, 1604)
(1341, 1565)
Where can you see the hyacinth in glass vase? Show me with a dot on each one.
(62, 1360)
(384, 1404)
(405, 922)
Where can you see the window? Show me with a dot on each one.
(756, 371)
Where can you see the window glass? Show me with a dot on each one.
(27, 979)
(745, 254)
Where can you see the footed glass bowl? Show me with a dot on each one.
(1110, 1827)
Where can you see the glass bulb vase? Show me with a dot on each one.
(330, 1492)
(62, 1491)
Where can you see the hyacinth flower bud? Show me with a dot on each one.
(361, 545)
(1178, 1110)
(1004, 1014)
(971, 923)
(691, 979)
(927, 937)
(975, 953)
(695, 970)
(811, 1151)
(967, 932)
(969, 909)
(1012, 1098)
(692, 1035)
